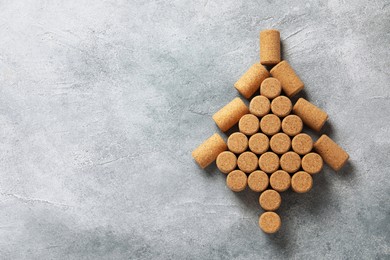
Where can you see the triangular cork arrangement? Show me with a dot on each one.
(270, 154)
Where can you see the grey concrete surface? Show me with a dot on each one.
(102, 103)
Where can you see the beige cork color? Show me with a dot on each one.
(311, 115)
(270, 200)
(258, 181)
(270, 124)
(280, 180)
(312, 163)
(236, 180)
(290, 162)
(292, 125)
(259, 106)
(269, 47)
(291, 83)
(301, 182)
(237, 143)
(247, 162)
(259, 143)
(207, 152)
(230, 114)
(250, 82)
(302, 144)
(226, 162)
(281, 106)
(269, 162)
(270, 222)
(280, 143)
(332, 153)
(249, 124)
(271, 88)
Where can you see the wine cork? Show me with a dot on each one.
(249, 124)
(250, 82)
(258, 181)
(270, 222)
(270, 200)
(291, 83)
(230, 114)
(270, 124)
(259, 106)
(311, 115)
(281, 106)
(236, 180)
(292, 125)
(302, 144)
(259, 143)
(270, 88)
(269, 162)
(331, 152)
(290, 162)
(280, 180)
(237, 143)
(280, 143)
(247, 162)
(312, 163)
(301, 182)
(226, 162)
(208, 151)
(269, 47)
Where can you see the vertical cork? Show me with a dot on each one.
(269, 47)
(291, 83)
(230, 114)
(331, 152)
(250, 82)
(311, 115)
(270, 222)
(209, 150)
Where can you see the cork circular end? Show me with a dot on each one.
(259, 106)
(269, 162)
(237, 143)
(281, 106)
(290, 162)
(312, 163)
(258, 181)
(247, 162)
(301, 182)
(270, 222)
(249, 124)
(292, 125)
(270, 124)
(302, 144)
(280, 143)
(226, 162)
(270, 200)
(236, 180)
(271, 88)
(280, 181)
(259, 143)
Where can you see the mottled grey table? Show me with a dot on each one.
(102, 103)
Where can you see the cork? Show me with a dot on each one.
(270, 124)
(291, 83)
(270, 222)
(250, 82)
(270, 88)
(258, 181)
(236, 180)
(237, 143)
(259, 143)
(270, 200)
(302, 144)
(290, 162)
(312, 163)
(280, 143)
(331, 152)
(280, 180)
(207, 152)
(292, 125)
(269, 162)
(269, 47)
(249, 124)
(281, 106)
(259, 106)
(311, 115)
(230, 114)
(301, 182)
(247, 162)
(226, 162)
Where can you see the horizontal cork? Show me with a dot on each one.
(207, 152)
(291, 83)
(270, 124)
(258, 181)
(292, 125)
(259, 143)
(270, 88)
(270, 222)
(250, 82)
(269, 47)
(290, 162)
(247, 162)
(332, 153)
(237, 143)
(230, 114)
(226, 162)
(312, 163)
(270, 200)
(281, 106)
(249, 124)
(301, 182)
(302, 144)
(236, 180)
(259, 106)
(269, 162)
(311, 115)
(280, 143)
(280, 180)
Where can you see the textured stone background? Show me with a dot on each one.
(102, 102)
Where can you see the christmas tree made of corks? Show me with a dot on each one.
(269, 153)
